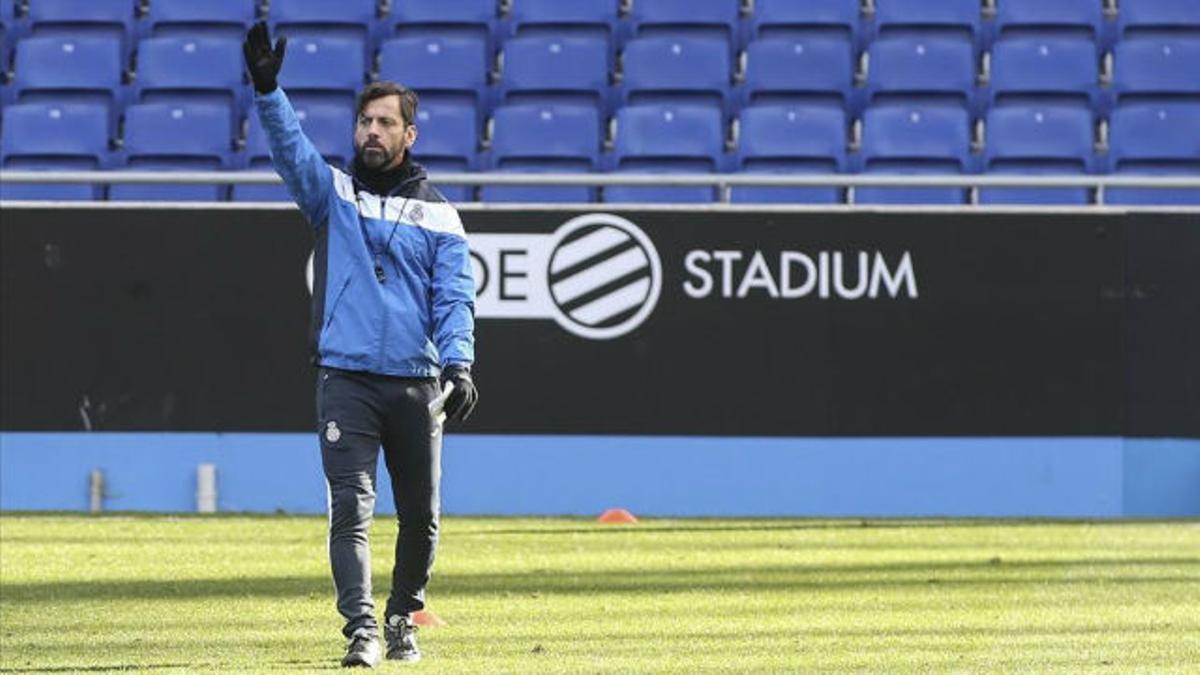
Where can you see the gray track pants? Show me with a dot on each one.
(357, 413)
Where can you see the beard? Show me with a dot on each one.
(375, 157)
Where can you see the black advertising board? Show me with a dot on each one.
(655, 322)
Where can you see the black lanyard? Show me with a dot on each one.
(379, 253)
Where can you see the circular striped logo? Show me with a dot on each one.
(604, 276)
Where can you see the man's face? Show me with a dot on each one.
(380, 136)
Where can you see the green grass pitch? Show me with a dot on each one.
(235, 593)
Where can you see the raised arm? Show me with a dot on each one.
(307, 177)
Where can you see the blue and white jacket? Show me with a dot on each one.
(393, 291)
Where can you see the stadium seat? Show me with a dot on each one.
(560, 18)
(812, 18)
(85, 18)
(439, 68)
(666, 139)
(785, 139)
(914, 140)
(426, 18)
(1033, 71)
(1161, 139)
(1038, 140)
(345, 19)
(1156, 67)
(211, 18)
(69, 70)
(1158, 17)
(1058, 18)
(926, 69)
(331, 132)
(800, 70)
(696, 18)
(448, 141)
(542, 138)
(322, 69)
(49, 137)
(204, 69)
(545, 69)
(944, 18)
(166, 137)
(677, 70)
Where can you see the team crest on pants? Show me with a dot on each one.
(332, 433)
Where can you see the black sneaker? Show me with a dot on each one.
(401, 635)
(361, 652)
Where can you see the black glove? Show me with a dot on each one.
(262, 61)
(461, 401)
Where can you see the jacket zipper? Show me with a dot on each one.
(337, 299)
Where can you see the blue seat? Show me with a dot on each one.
(166, 137)
(1159, 139)
(1138, 17)
(211, 18)
(911, 141)
(811, 18)
(677, 70)
(695, 18)
(331, 132)
(448, 141)
(800, 70)
(1038, 140)
(921, 69)
(1058, 18)
(354, 20)
(566, 17)
(439, 68)
(944, 18)
(322, 69)
(785, 139)
(544, 139)
(203, 70)
(663, 139)
(85, 18)
(1156, 67)
(52, 137)
(69, 69)
(426, 18)
(546, 69)
(1032, 71)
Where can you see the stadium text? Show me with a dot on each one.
(798, 275)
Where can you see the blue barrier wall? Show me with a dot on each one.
(662, 476)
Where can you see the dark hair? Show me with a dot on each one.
(375, 90)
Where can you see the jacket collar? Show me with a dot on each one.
(402, 181)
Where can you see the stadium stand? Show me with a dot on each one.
(1156, 67)
(1161, 139)
(85, 18)
(353, 20)
(677, 70)
(448, 141)
(925, 69)
(323, 70)
(560, 18)
(1079, 19)
(959, 19)
(329, 130)
(1045, 70)
(206, 70)
(50, 136)
(211, 18)
(542, 139)
(800, 69)
(1157, 17)
(478, 18)
(688, 18)
(915, 140)
(790, 139)
(553, 69)
(166, 137)
(1050, 140)
(67, 69)
(837, 19)
(666, 139)
(443, 69)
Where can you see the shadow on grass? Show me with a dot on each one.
(980, 573)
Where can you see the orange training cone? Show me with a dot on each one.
(427, 618)
(614, 516)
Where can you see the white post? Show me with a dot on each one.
(96, 491)
(206, 488)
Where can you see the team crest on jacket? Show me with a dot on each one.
(332, 433)
(416, 213)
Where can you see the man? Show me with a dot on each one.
(393, 302)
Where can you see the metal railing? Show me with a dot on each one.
(722, 182)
